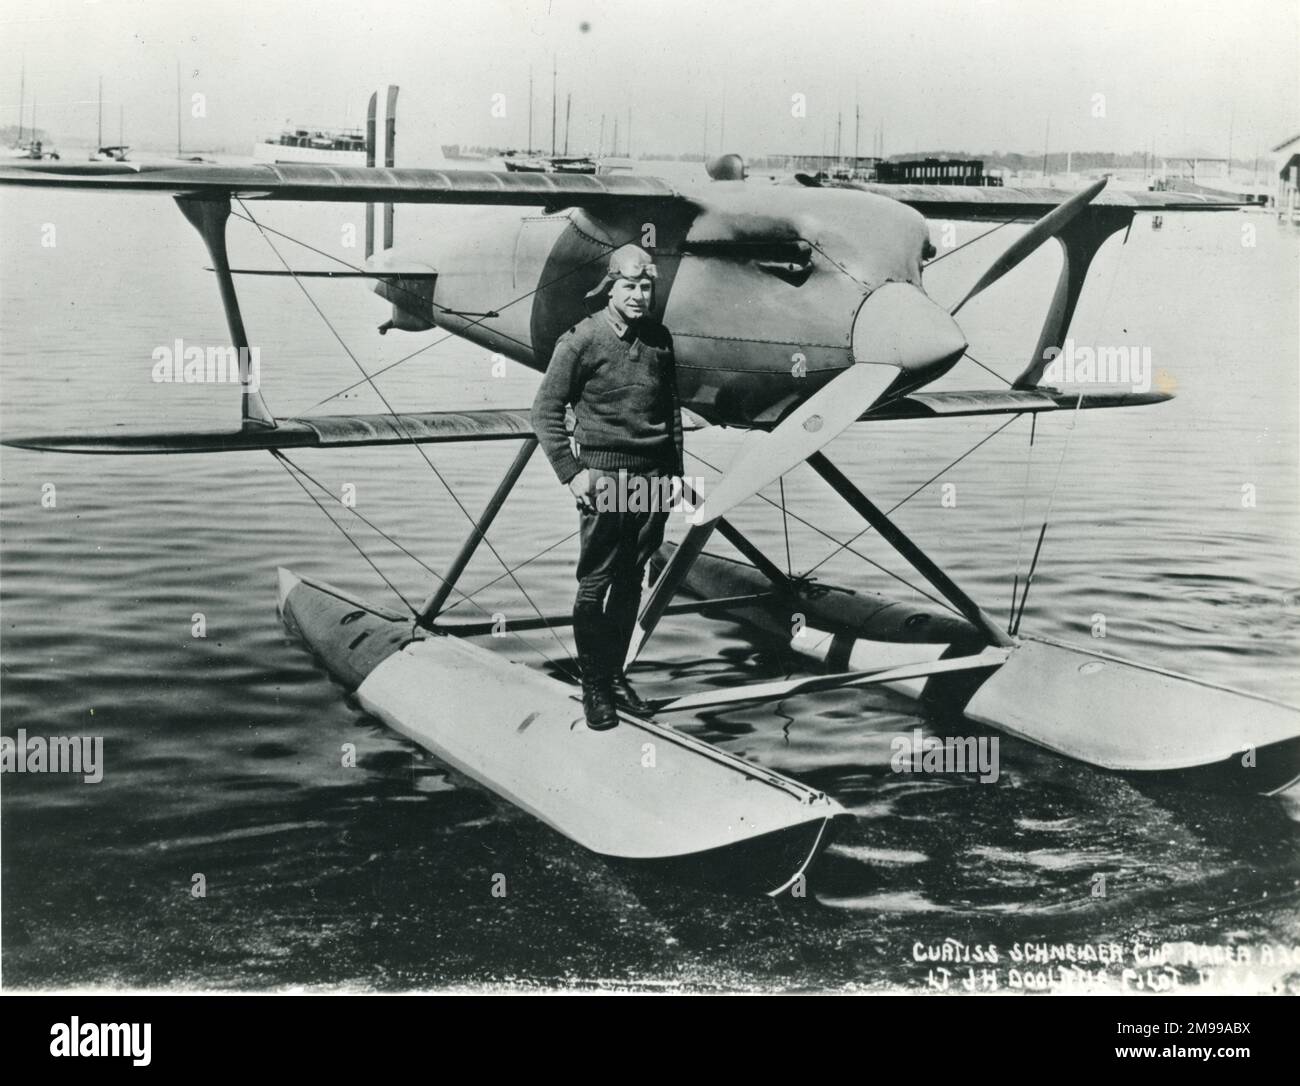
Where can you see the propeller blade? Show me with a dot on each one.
(1048, 226)
(764, 457)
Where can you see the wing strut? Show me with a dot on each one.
(430, 608)
(670, 579)
(679, 565)
(920, 561)
(208, 216)
(1079, 243)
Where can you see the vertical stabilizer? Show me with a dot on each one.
(420, 149)
(390, 157)
(370, 161)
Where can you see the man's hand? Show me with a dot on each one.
(580, 488)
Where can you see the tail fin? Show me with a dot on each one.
(419, 148)
(381, 139)
(370, 162)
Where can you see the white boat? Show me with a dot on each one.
(322, 147)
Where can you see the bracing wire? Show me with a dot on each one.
(346, 535)
(978, 237)
(1047, 516)
(1024, 512)
(437, 342)
(293, 468)
(846, 546)
(894, 508)
(785, 528)
(396, 418)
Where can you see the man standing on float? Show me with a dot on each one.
(616, 369)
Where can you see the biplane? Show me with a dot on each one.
(797, 311)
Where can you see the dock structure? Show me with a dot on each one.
(936, 171)
(833, 167)
(1287, 164)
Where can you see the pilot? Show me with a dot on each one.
(616, 369)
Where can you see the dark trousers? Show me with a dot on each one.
(616, 545)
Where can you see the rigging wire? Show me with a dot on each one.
(360, 269)
(287, 464)
(981, 365)
(845, 546)
(1024, 513)
(893, 509)
(437, 342)
(1014, 618)
(346, 535)
(397, 420)
(1051, 501)
(469, 596)
(785, 527)
(361, 517)
(368, 378)
(978, 237)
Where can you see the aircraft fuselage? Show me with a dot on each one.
(760, 287)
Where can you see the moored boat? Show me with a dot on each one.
(325, 147)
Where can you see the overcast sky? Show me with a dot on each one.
(957, 74)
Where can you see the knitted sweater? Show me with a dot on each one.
(624, 395)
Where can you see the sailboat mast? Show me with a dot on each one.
(553, 114)
(530, 110)
(568, 109)
(22, 93)
(178, 109)
(99, 124)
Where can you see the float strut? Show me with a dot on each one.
(921, 562)
(429, 611)
(208, 217)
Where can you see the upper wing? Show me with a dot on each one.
(1000, 204)
(347, 184)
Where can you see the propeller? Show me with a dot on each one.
(1048, 226)
(898, 334)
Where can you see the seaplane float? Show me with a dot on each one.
(797, 311)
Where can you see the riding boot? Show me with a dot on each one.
(590, 635)
(622, 612)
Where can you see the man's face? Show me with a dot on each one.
(631, 298)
